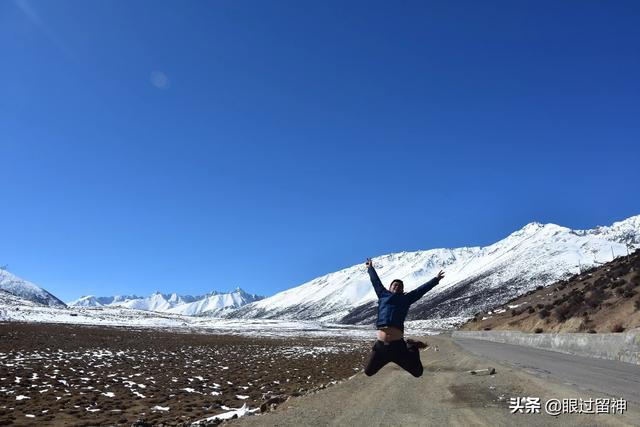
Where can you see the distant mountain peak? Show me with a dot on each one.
(173, 302)
(533, 225)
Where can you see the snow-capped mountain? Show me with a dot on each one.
(216, 303)
(209, 304)
(622, 232)
(92, 301)
(27, 290)
(476, 277)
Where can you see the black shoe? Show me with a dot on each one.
(415, 345)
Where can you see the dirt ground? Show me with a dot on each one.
(79, 375)
(446, 395)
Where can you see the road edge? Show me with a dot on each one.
(623, 347)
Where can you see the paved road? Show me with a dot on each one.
(618, 379)
(446, 395)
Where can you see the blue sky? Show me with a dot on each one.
(197, 145)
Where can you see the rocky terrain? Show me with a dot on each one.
(600, 299)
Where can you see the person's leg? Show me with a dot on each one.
(408, 359)
(378, 358)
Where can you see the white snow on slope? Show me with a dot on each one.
(625, 231)
(537, 254)
(27, 290)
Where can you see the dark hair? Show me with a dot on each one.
(396, 281)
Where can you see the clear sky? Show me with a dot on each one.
(197, 145)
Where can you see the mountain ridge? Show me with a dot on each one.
(536, 254)
(190, 305)
(477, 277)
(24, 289)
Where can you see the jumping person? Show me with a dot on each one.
(393, 305)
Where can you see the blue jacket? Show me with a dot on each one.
(393, 308)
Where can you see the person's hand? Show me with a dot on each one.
(440, 275)
(369, 263)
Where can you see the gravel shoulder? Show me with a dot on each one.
(447, 394)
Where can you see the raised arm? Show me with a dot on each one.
(375, 280)
(419, 292)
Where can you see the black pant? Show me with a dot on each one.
(408, 358)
